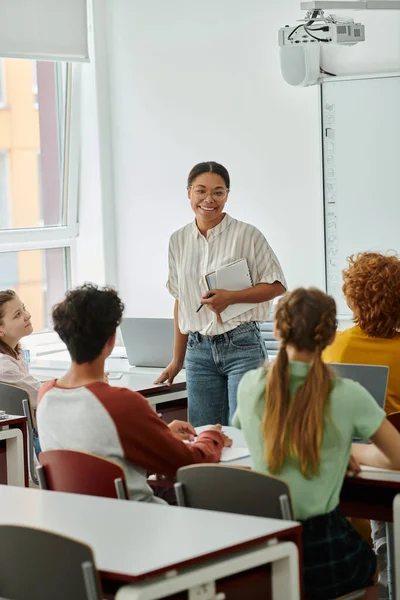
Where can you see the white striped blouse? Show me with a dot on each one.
(192, 256)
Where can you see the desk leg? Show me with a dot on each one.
(210, 576)
(390, 561)
(14, 456)
(3, 462)
(22, 427)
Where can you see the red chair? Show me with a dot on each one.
(81, 473)
(394, 418)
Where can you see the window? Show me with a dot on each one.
(4, 191)
(38, 184)
(27, 272)
(26, 132)
(2, 85)
(40, 192)
(35, 85)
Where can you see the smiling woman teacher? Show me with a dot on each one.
(217, 354)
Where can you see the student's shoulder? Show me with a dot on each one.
(343, 385)
(117, 398)
(353, 403)
(347, 336)
(8, 362)
(252, 383)
(350, 393)
(342, 341)
(47, 386)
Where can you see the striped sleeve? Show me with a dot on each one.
(268, 268)
(172, 283)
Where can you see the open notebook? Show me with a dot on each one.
(235, 276)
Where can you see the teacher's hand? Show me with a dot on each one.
(169, 374)
(218, 301)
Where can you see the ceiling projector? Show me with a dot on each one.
(300, 45)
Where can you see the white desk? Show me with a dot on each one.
(12, 470)
(138, 379)
(61, 361)
(135, 541)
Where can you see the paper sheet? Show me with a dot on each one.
(230, 454)
(369, 469)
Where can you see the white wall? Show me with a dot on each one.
(192, 81)
(196, 81)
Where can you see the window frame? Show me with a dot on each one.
(35, 85)
(64, 235)
(4, 154)
(3, 91)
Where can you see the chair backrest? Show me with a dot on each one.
(11, 399)
(15, 401)
(40, 565)
(233, 490)
(394, 418)
(81, 473)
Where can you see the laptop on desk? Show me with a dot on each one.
(148, 342)
(374, 378)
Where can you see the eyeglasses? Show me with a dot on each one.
(201, 194)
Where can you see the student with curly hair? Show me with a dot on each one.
(80, 411)
(371, 285)
(299, 421)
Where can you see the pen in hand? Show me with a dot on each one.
(201, 305)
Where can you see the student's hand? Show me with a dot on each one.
(218, 301)
(169, 374)
(183, 430)
(227, 440)
(353, 468)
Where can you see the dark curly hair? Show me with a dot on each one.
(372, 291)
(86, 318)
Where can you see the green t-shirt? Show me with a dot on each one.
(353, 413)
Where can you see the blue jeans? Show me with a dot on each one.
(36, 444)
(214, 367)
